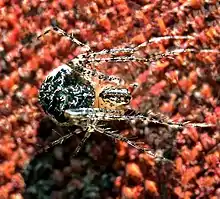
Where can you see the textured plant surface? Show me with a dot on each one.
(184, 88)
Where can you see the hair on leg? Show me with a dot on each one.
(61, 32)
(58, 141)
(131, 50)
(82, 142)
(152, 58)
(119, 137)
(77, 64)
(70, 37)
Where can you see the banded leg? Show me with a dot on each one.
(99, 114)
(58, 141)
(69, 36)
(134, 49)
(90, 128)
(152, 58)
(89, 73)
(119, 137)
(61, 32)
(77, 63)
(81, 116)
(82, 142)
(158, 39)
(163, 120)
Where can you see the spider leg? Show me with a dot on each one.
(152, 58)
(158, 39)
(61, 32)
(89, 130)
(82, 142)
(70, 37)
(132, 50)
(79, 116)
(99, 114)
(85, 115)
(119, 137)
(56, 142)
(77, 65)
(163, 120)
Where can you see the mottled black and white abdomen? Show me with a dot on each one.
(63, 89)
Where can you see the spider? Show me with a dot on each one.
(73, 94)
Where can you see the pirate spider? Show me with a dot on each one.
(74, 94)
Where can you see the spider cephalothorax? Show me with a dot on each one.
(73, 94)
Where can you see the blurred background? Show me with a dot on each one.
(185, 88)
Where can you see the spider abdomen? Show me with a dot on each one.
(63, 89)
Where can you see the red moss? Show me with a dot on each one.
(133, 170)
(151, 187)
(189, 174)
(132, 192)
(182, 88)
(158, 88)
(161, 25)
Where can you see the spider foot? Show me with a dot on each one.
(158, 118)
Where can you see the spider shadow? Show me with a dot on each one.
(56, 174)
(91, 174)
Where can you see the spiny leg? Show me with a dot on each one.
(100, 114)
(82, 142)
(90, 128)
(70, 37)
(129, 142)
(88, 74)
(134, 49)
(158, 39)
(91, 58)
(152, 58)
(97, 114)
(77, 65)
(158, 118)
(81, 115)
(58, 141)
(61, 32)
(176, 125)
